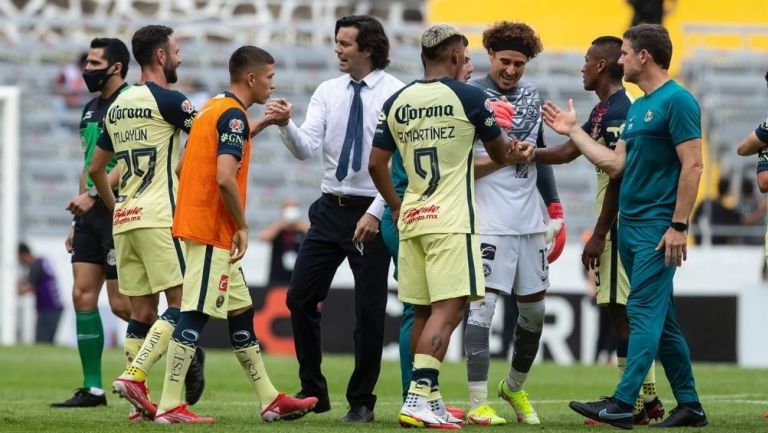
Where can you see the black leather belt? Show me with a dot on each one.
(348, 200)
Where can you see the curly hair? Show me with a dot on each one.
(512, 35)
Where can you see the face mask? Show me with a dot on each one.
(96, 79)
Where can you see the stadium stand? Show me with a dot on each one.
(38, 38)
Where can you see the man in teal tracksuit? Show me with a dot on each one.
(659, 156)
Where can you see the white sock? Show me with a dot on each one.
(414, 401)
(96, 391)
(516, 380)
(478, 393)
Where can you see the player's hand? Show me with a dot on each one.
(395, 217)
(503, 112)
(520, 152)
(367, 228)
(69, 243)
(239, 245)
(81, 204)
(675, 245)
(556, 230)
(279, 111)
(593, 250)
(560, 121)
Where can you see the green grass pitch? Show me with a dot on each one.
(33, 377)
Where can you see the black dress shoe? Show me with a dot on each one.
(83, 398)
(358, 414)
(323, 402)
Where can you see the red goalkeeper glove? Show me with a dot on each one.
(555, 230)
(503, 112)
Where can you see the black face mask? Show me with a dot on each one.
(96, 79)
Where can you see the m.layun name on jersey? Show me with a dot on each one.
(136, 134)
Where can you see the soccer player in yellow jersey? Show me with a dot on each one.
(141, 130)
(433, 123)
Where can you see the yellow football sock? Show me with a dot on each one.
(176, 365)
(649, 384)
(426, 361)
(423, 361)
(132, 346)
(622, 364)
(418, 389)
(151, 351)
(251, 361)
(434, 395)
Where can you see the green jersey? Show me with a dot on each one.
(656, 124)
(91, 125)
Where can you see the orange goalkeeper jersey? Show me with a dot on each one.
(221, 128)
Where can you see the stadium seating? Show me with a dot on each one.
(36, 43)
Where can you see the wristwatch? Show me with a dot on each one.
(93, 192)
(681, 227)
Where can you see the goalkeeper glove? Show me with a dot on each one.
(555, 230)
(503, 112)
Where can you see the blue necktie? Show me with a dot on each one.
(354, 135)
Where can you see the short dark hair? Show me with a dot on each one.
(248, 57)
(441, 49)
(115, 51)
(611, 48)
(24, 248)
(653, 38)
(147, 39)
(370, 35)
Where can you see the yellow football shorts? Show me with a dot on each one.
(439, 266)
(212, 285)
(149, 261)
(611, 282)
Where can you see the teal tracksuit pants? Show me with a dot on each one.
(654, 330)
(392, 241)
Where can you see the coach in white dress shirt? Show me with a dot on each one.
(341, 118)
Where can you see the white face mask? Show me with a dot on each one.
(291, 214)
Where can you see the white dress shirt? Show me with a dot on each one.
(326, 125)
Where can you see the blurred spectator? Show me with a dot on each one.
(752, 208)
(713, 218)
(286, 236)
(196, 91)
(650, 11)
(70, 85)
(41, 281)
